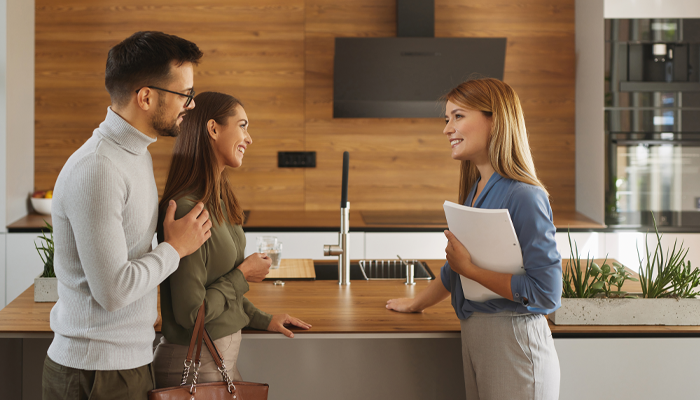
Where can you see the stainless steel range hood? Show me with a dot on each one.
(404, 77)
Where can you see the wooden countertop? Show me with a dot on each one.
(332, 309)
(30, 223)
(429, 220)
(382, 220)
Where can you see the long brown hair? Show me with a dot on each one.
(194, 167)
(508, 146)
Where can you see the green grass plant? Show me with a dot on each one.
(46, 251)
(667, 274)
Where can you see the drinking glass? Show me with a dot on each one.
(272, 247)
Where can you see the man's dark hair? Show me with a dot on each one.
(143, 59)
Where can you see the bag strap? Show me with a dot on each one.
(199, 326)
(195, 330)
(199, 334)
(193, 341)
(213, 350)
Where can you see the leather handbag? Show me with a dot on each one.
(224, 390)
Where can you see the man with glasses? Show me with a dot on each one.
(105, 211)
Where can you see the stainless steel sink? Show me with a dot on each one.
(373, 270)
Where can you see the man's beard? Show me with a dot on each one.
(161, 125)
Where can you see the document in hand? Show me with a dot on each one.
(490, 238)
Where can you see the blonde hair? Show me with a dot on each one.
(508, 146)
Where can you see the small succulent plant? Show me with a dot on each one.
(593, 280)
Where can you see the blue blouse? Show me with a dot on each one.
(531, 214)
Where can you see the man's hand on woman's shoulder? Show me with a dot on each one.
(188, 233)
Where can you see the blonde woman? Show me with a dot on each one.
(507, 347)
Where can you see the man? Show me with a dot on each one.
(105, 212)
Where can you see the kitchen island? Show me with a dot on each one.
(358, 349)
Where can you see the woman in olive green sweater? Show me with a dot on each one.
(214, 135)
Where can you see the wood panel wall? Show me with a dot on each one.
(277, 57)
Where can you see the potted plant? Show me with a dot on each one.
(46, 284)
(593, 295)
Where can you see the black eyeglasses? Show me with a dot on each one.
(189, 96)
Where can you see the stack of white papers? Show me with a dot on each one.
(490, 238)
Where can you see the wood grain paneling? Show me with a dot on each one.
(277, 57)
(252, 49)
(405, 163)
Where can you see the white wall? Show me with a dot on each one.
(372, 245)
(3, 265)
(3, 116)
(651, 8)
(19, 103)
(590, 134)
(425, 245)
(622, 246)
(307, 244)
(16, 108)
(16, 121)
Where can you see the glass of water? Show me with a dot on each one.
(272, 247)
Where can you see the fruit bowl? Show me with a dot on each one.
(42, 206)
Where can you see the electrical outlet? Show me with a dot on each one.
(296, 159)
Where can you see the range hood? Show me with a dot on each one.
(405, 76)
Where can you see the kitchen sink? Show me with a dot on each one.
(373, 270)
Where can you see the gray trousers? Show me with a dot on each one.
(508, 355)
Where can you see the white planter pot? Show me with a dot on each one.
(627, 312)
(45, 289)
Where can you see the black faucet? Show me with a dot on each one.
(342, 249)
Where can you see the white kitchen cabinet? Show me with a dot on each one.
(354, 366)
(429, 366)
(628, 368)
(622, 368)
(308, 244)
(23, 264)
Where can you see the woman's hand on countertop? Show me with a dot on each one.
(402, 305)
(433, 294)
(255, 267)
(280, 320)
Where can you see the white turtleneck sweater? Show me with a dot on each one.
(105, 211)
